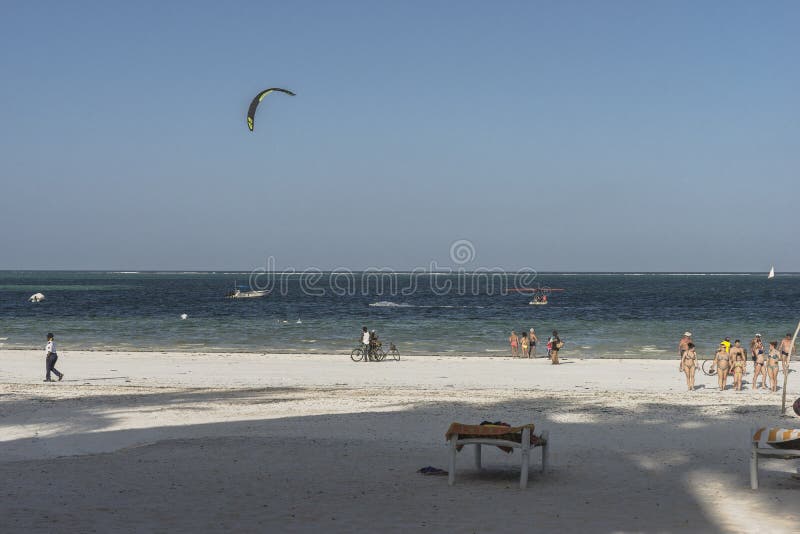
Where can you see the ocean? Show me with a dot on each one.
(600, 315)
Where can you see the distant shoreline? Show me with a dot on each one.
(299, 271)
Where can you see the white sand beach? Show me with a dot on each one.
(182, 442)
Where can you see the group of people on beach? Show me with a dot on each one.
(730, 360)
(524, 345)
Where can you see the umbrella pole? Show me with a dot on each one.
(786, 373)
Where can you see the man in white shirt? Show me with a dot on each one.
(365, 343)
(50, 358)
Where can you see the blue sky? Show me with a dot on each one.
(618, 135)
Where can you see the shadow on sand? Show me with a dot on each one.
(613, 470)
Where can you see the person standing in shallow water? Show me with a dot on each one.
(532, 341)
(51, 356)
(513, 340)
(524, 347)
(555, 346)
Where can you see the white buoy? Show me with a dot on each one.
(184, 316)
(37, 297)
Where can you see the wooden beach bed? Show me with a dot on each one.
(504, 437)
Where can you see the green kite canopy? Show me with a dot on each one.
(251, 113)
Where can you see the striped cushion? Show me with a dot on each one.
(780, 438)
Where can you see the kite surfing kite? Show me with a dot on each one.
(251, 113)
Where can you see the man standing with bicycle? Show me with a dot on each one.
(365, 343)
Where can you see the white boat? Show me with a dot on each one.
(771, 272)
(36, 297)
(244, 292)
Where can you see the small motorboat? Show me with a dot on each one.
(539, 294)
(538, 300)
(244, 292)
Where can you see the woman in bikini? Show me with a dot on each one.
(524, 346)
(758, 364)
(722, 361)
(773, 362)
(689, 365)
(514, 341)
(739, 362)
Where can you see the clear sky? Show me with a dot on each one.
(613, 135)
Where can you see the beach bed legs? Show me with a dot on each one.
(525, 448)
(767, 452)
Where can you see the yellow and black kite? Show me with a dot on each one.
(251, 113)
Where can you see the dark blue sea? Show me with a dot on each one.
(601, 315)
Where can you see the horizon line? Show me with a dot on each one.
(380, 270)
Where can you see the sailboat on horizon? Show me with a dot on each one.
(771, 272)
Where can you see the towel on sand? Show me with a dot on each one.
(430, 470)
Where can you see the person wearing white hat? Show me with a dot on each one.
(683, 346)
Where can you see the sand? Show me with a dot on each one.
(180, 442)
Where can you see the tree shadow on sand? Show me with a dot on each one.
(614, 468)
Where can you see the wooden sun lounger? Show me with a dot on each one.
(454, 442)
(766, 452)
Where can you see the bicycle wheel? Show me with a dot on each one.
(379, 355)
(395, 354)
(357, 355)
(708, 368)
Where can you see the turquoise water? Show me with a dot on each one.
(603, 315)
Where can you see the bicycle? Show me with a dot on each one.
(376, 353)
(708, 368)
(379, 354)
(357, 354)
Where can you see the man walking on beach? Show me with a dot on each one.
(683, 346)
(50, 359)
(365, 343)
